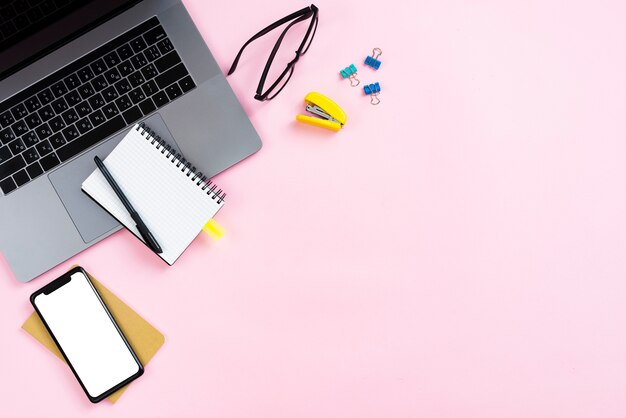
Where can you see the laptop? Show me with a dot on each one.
(75, 76)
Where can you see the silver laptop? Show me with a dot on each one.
(74, 77)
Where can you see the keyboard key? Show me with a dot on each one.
(57, 140)
(21, 22)
(132, 114)
(150, 88)
(112, 76)
(110, 110)
(18, 24)
(98, 67)
(70, 133)
(171, 76)
(43, 131)
(99, 83)
(8, 13)
(125, 68)
(19, 111)
(165, 46)
(123, 86)
(173, 91)
(111, 59)
(147, 106)
(83, 109)
(125, 52)
(138, 44)
(34, 170)
(6, 119)
(30, 139)
(138, 61)
(85, 74)
(19, 128)
(6, 136)
(72, 81)
(86, 90)
(154, 35)
(33, 120)
(46, 113)
(109, 94)
(59, 89)
(167, 61)
(59, 105)
(32, 104)
(21, 178)
(30, 155)
(96, 101)
(137, 95)
(5, 154)
(70, 116)
(17, 146)
(152, 53)
(48, 7)
(136, 79)
(49, 162)
(73, 98)
(160, 99)
(97, 118)
(57, 124)
(149, 72)
(34, 13)
(44, 148)
(8, 29)
(20, 6)
(123, 103)
(91, 138)
(45, 96)
(7, 185)
(186, 84)
(9, 167)
(84, 125)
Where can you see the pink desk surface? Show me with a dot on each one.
(457, 251)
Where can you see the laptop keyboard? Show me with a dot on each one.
(87, 101)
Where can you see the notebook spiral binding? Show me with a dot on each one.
(176, 158)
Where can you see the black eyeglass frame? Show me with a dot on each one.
(294, 18)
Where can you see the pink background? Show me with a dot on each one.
(457, 251)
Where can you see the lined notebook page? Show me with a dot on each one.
(172, 206)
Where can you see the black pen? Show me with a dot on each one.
(143, 229)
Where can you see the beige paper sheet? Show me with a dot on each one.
(143, 337)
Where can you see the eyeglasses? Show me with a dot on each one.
(282, 80)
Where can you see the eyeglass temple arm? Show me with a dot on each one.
(265, 31)
(274, 51)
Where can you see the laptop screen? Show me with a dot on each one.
(29, 29)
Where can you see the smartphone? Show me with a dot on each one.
(87, 335)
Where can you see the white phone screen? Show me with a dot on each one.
(87, 335)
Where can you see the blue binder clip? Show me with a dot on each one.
(350, 72)
(373, 90)
(373, 60)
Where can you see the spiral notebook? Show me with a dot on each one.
(172, 198)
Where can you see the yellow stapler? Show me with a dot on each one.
(333, 117)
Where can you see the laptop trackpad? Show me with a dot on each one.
(90, 219)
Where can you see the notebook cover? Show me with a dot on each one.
(143, 337)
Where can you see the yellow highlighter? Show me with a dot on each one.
(329, 114)
(213, 229)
